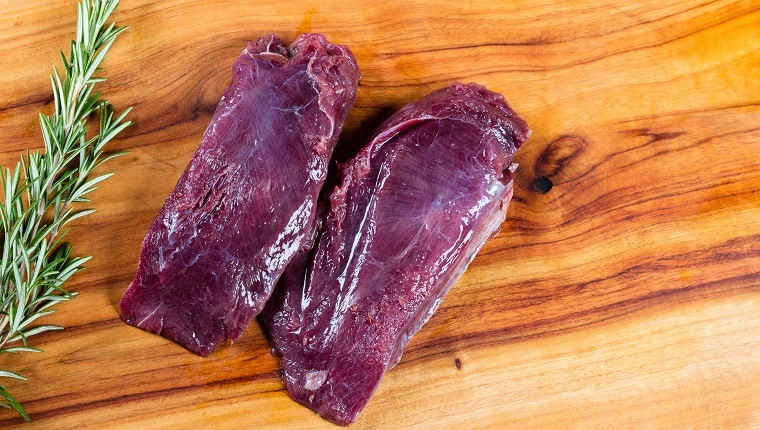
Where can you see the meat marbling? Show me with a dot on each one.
(413, 208)
(246, 200)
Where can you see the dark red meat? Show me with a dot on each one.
(414, 207)
(245, 202)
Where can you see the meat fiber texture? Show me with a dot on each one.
(244, 204)
(413, 208)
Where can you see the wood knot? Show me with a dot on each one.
(542, 185)
(558, 154)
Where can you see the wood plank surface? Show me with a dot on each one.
(626, 297)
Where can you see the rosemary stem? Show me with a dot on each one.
(37, 199)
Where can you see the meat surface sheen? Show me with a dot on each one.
(413, 208)
(245, 202)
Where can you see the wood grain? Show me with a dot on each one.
(627, 296)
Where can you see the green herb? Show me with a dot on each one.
(39, 195)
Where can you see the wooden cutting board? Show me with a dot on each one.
(626, 297)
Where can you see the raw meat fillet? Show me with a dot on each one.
(245, 202)
(414, 207)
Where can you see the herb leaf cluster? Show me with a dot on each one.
(41, 195)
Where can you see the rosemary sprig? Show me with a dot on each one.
(39, 195)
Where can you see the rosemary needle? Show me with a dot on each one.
(39, 195)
